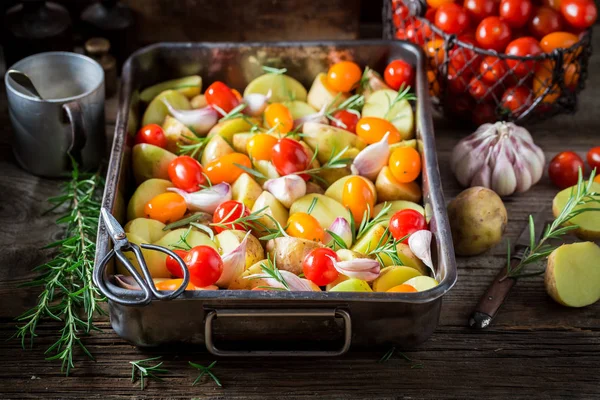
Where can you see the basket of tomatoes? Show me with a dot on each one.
(494, 60)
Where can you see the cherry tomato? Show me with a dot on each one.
(405, 164)
(593, 158)
(358, 197)
(172, 264)
(186, 173)
(278, 115)
(151, 134)
(516, 99)
(260, 146)
(558, 40)
(524, 46)
(343, 76)
(579, 13)
(492, 33)
(458, 80)
(346, 120)
(418, 32)
(173, 284)
(289, 156)
(480, 9)
(492, 69)
(406, 222)
(544, 74)
(318, 266)
(516, 13)
(484, 113)
(401, 13)
(435, 51)
(564, 169)
(463, 59)
(305, 226)
(597, 179)
(571, 76)
(434, 84)
(401, 34)
(404, 288)
(205, 266)
(552, 3)
(227, 212)
(373, 129)
(437, 3)
(399, 73)
(430, 15)
(220, 95)
(480, 90)
(237, 94)
(166, 207)
(223, 169)
(545, 21)
(451, 18)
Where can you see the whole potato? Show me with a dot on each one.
(477, 219)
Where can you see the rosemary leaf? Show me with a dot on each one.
(145, 371)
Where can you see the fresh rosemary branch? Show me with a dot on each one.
(336, 241)
(198, 217)
(68, 294)
(351, 104)
(272, 272)
(390, 353)
(581, 195)
(194, 149)
(182, 243)
(312, 205)
(146, 371)
(367, 223)
(206, 371)
(335, 161)
(275, 71)
(387, 245)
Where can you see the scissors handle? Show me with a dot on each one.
(145, 283)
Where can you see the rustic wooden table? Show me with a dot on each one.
(535, 348)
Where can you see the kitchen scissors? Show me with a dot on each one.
(146, 284)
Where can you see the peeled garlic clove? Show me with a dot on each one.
(364, 269)
(316, 117)
(256, 103)
(206, 200)
(341, 228)
(201, 120)
(372, 159)
(294, 282)
(234, 264)
(286, 189)
(420, 244)
(504, 181)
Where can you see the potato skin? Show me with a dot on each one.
(477, 219)
(289, 252)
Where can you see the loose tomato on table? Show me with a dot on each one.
(187, 174)
(399, 73)
(172, 264)
(593, 158)
(279, 117)
(305, 226)
(205, 266)
(318, 266)
(480, 9)
(166, 207)
(452, 18)
(228, 212)
(343, 76)
(493, 69)
(516, 99)
(580, 14)
(373, 129)
(493, 34)
(224, 168)
(289, 156)
(358, 197)
(260, 146)
(564, 169)
(345, 119)
(522, 47)
(545, 21)
(516, 13)
(406, 222)
(405, 164)
(220, 95)
(151, 134)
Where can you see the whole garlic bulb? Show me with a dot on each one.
(499, 156)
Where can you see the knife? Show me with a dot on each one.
(495, 295)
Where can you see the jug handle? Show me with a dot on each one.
(73, 114)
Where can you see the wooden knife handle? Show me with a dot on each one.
(492, 299)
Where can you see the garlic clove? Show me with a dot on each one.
(372, 159)
(420, 244)
(286, 189)
(317, 117)
(535, 160)
(234, 264)
(340, 227)
(293, 281)
(504, 181)
(364, 269)
(524, 179)
(201, 120)
(206, 200)
(483, 177)
(256, 103)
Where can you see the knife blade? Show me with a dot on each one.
(495, 295)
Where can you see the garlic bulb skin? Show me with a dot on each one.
(500, 156)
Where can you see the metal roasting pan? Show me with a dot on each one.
(275, 323)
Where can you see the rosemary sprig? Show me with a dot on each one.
(198, 217)
(351, 104)
(367, 223)
(387, 245)
(182, 243)
(146, 371)
(275, 71)
(68, 294)
(236, 112)
(336, 241)
(250, 221)
(392, 351)
(581, 195)
(404, 93)
(269, 268)
(312, 205)
(251, 171)
(194, 149)
(335, 161)
(206, 371)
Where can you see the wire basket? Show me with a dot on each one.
(480, 85)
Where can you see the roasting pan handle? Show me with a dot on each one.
(274, 313)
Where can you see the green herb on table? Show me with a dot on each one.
(388, 355)
(206, 371)
(146, 371)
(69, 294)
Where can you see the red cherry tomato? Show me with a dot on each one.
(418, 32)
(406, 222)
(205, 266)
(545, 21)
(524, 46)
(458, 80)
(492, 33)
(516, 99)
(484, 113)
(318, 266)
(516, 13)
(564, 169)
(480, 9)
(289, 156)
(492, 69)
(220, 95)
(462, 57)
(397, 73)
(480, 90)
(451, 18)
(348, 120)
(173, 266)
(151, 134)
(186, 173)
(593, 158)
(430, 15)
(400, 15)
(227, 212)
(580, 14)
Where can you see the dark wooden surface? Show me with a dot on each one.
(535, 348)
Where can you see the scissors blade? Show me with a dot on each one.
(524, 239)
(115, 230)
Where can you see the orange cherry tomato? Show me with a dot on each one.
(260, 146)
(405, 164)
(343, 76)
(173, 284)
(223, 169)
(404, 288)
(277, 115)
(237, 94)
(305, 226)
(571, 76)
(558, 40)
(597, 178)
(435, 51)
(542, 79)
(166, 207)
(358, 197)
(373, 129)
(437, 3)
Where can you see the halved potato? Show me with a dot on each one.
(326, 210)
(282, 87)
(400, 114)
(188, 86)
(157, 110)
(320, 95)
(389, 189)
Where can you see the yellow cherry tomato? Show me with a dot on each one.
(173, 284)
(403, 289)
(435, 51)
(260, 146)
(166, 207)
(305, 226)
(358, 197)
(373, 129)
(542, 79)
(405, 164)
(223, 169)
(279, 117)
(343, 76)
